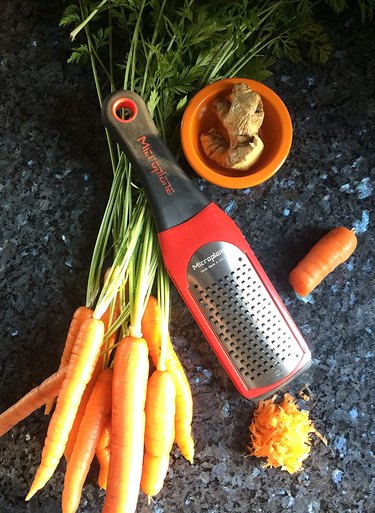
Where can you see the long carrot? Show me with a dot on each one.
(129, 385)
(103, 454)
(79, 316)
(160, 431)
(33, 400)
(184, 401)
(90, 430)
(82, 362)
(81, 410)
(328, 253)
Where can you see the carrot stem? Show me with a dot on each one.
(100, 249)
(121, 262)
(164, 303)
(143, 279)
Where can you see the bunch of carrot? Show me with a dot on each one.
(121, 412)
(120, 392)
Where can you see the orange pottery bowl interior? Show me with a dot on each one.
(276, 133)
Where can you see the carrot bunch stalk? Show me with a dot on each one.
(108, 405)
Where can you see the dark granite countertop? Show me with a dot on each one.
(54, 182)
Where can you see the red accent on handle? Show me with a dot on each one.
(178, 244)
(124, 103)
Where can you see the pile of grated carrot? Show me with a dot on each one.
(280, 432)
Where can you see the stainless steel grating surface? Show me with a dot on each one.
(243, 315)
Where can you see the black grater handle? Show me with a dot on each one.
(173, 197)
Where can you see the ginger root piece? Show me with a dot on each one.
(240, 158)
(242, 118)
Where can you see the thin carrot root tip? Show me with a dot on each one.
(32, 492)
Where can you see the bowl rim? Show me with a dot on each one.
(235, 182)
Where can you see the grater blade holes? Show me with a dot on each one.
(244, 317)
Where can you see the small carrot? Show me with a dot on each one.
(79, 316)
(97, 410)
(81, 366)
(184, 405)
(129, 385)
(103, 453)
(150, 327)
(32, 401)
(160, 431)
(328, 253)
(184, 401)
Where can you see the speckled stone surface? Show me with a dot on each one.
(54, 181)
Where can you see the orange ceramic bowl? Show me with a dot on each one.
(276, 134)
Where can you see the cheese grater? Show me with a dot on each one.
(210, 262)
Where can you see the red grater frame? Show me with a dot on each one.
(182, 241)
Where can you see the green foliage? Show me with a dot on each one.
(367, 8)
(70, 16)
(167, 50)
(79, 53)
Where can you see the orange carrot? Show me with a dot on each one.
(184, 401)
(81, 410)
(79, 316)
(97, 410)
(184, 404)
(328, 253)
(160, 431)
(150, 327)
(103, 453)
(81, 366)
(31, 401)
(129, 387)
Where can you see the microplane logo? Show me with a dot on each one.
(208, 260)
(155, 167)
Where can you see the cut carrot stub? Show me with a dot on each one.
(329, 252)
